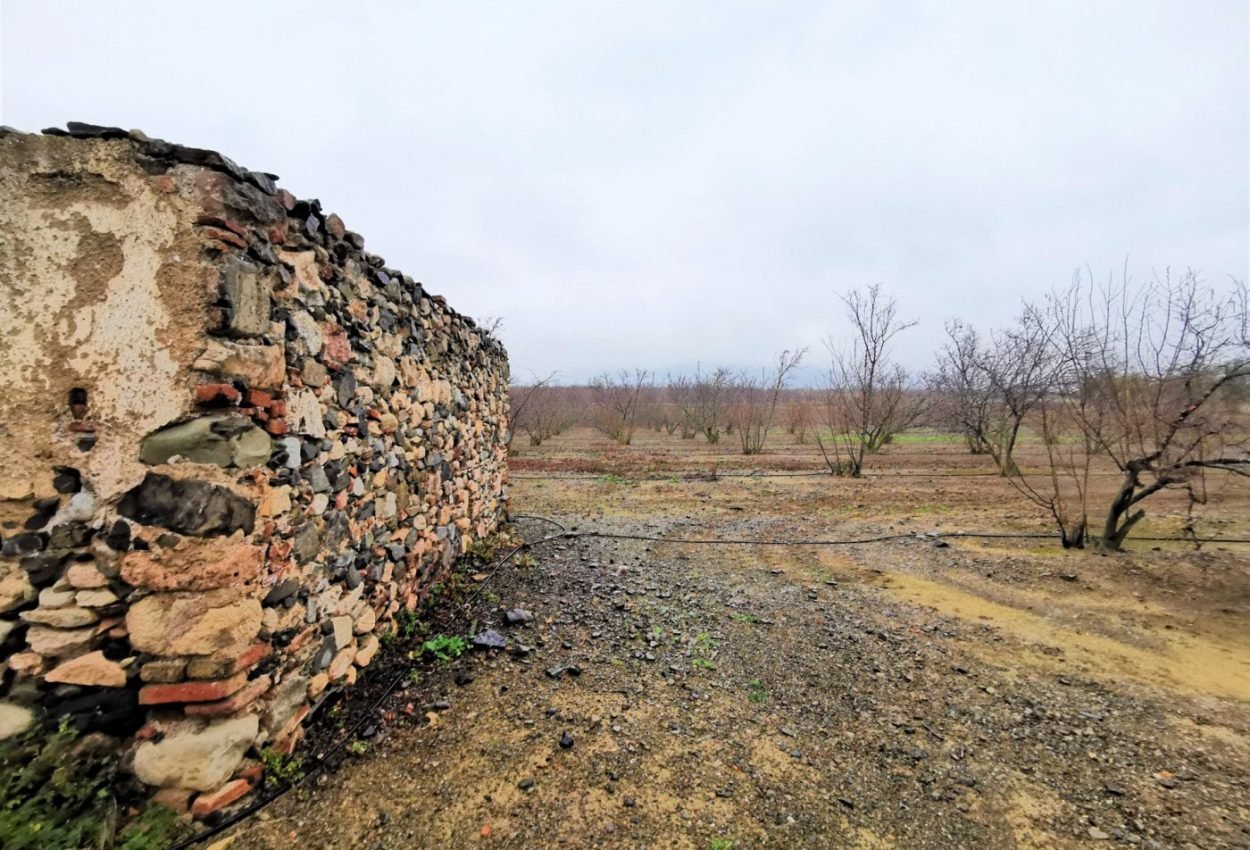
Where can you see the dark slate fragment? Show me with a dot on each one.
(44, 568)
(316, 477)
(118, 537)
(280, 592)
(325, 654)
(307, 543)
(24, 544)
(67, 480)
(83, 130)
(345, 388)
(188, 507)
(489, 639)
(70, 535)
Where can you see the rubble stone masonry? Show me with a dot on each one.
(234, 445)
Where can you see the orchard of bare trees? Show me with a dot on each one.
(1148, 381)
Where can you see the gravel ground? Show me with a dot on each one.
(668, 696)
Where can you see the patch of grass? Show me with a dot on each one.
(58, 791)
(720, 844)
(155, 828)
(486, 549)
(704, 642)
(702, 664)
(281, 769)
(407, 624)
(358, 748)
(740, 617)
(756, 692)
(445, 648)
(926, 438)
(613, 478)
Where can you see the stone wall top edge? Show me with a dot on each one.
(158, 153)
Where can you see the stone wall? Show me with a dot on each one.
(235, 445)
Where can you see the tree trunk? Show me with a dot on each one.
(1074, 537)
(1117, 525)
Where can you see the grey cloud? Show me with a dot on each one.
(656, 184)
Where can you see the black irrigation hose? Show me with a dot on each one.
(711, 475)
(708, 474)
(566, 534)
(1022, 535)
(320, 762)
(538, 519)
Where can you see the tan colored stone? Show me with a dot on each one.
(383, 373)
(275, 503)
(58, 596)
(342, 663)
(57, 643)
(14, 719)
(196, 754)
(85, 577)
(193, 624)
(15, 587)
(368, 649)
(342, 631)
(317, 685)
(304, 264)
(257, 366)
(194, 565)
(61, 618)
(367, 621)
(304, 415)
(26, 663)
(91, 670)
(99, 598)
(175, 799)
(163, 670)
(287, 698)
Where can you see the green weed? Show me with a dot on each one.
(445, 648)
(756, 692)
(284, 770)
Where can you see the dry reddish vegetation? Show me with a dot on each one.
(993, 693)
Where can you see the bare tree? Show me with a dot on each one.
(1020, 366)
(1147, 380)
(798, 415)
(704, 401)
(680, 394)
(867, 400)
(755, 401)
(521, 398)
(616, 400)
(962, 392)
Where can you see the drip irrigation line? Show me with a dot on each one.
(538, 519)
(884, 538)
(713, 475)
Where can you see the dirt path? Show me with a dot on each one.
(764, 697)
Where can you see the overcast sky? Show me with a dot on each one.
(652, 184)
